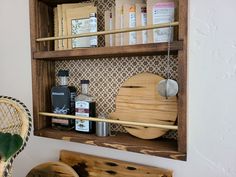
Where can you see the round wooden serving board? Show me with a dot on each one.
(52, 169)
(139, 101)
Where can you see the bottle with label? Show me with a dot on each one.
(93, 29)
(63, 102)
(85, 106)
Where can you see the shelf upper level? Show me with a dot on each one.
(117, 51)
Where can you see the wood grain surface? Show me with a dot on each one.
(116, 51)
(139, 101)
(121, 141)
(93, 166)
(183, 76)
(52, 169)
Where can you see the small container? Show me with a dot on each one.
(102, 128)
(93, 29)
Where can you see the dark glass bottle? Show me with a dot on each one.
(63, 102)
(85, 106)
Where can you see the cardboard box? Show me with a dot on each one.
(119, 18)
(119, 21)
(110, 25)
(130, 38)
(160, 11)
(107, 18)
(64, 8)
(141, 20)
(78, 21)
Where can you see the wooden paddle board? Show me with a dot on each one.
(52, 169)
(139, 101)
(94, 166)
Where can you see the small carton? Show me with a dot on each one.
(119, 18)
(78, 22)
(110, 25)
(132, 24)
(141, 20)
(160, 11)
(64, 8)
(130, 38)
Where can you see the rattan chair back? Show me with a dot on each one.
(15, 118)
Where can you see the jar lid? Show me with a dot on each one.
(84, 81)
(63, 73)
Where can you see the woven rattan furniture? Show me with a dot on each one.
(15, 118)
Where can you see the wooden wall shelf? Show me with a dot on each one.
(160, 147)
(44, 77)
(118, 51)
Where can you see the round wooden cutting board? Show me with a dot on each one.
(52, 169)
(139, 101)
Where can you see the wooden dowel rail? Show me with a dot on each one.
(162, 25)
(171, 127)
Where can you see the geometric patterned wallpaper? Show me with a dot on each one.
(106, 75)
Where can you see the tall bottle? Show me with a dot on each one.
(85, 106)
(63, 102)
(93, 29)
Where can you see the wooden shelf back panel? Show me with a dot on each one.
(42, 82)
(45, 25)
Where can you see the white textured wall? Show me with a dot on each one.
(212, 93)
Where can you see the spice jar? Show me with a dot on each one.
(102, 128)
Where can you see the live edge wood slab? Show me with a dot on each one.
(93, 166)
(52, 169)
(122, 141)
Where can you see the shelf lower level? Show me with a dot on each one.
(122, 141)
(117, 51)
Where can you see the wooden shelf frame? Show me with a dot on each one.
(43, 78)
(182, 76)
(159, 147)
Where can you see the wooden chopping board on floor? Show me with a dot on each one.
(139, 101)
(52, 169)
